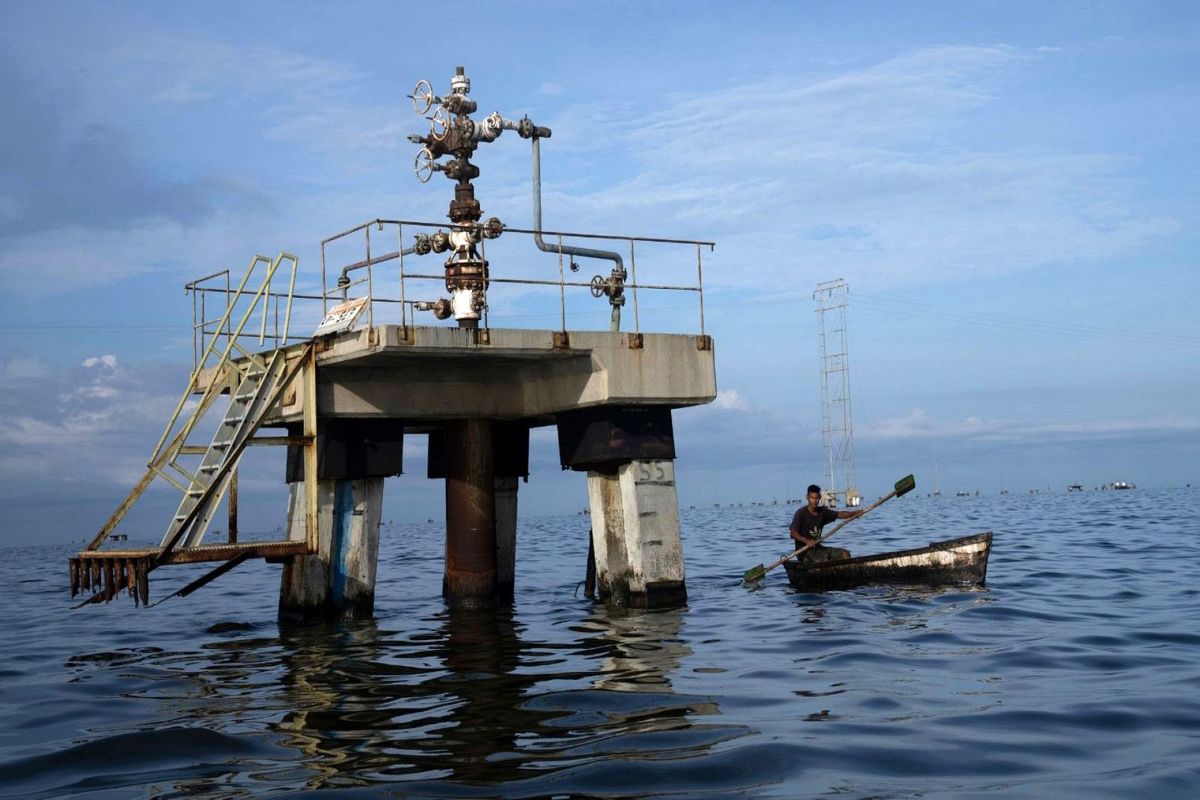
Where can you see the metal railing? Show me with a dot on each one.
(206, 332)
(347, 285)
(342, 289)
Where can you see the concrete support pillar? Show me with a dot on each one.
(339, 581)
(506, 538)
(635, 535)
(470, 576)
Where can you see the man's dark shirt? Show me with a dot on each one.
(810, 524)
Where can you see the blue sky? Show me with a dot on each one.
(1008, 188)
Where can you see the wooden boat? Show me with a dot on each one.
(954, 562)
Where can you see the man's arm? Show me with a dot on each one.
(850, 514)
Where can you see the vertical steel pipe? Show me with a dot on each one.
(470, 575)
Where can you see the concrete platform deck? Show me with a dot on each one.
(437, 373)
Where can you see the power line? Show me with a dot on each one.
(89, 327)
(866, 302)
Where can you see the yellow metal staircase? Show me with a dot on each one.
(256, 384)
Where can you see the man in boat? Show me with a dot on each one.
(807, 524)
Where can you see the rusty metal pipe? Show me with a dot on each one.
(618, 273)
(569, 250)
(344, 280)
(232, 509)
(144, 581)
(470, 575)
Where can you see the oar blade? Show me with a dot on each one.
(754, 574)
(905, 485)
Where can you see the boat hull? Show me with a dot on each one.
(953, 562)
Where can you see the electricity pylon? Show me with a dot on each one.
(830, 298)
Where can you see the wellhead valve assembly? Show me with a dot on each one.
(453, 133)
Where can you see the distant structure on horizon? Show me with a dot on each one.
(838, 433)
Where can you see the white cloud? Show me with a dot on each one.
(189, 69)
(107, 360)
(98, 392)
(863, 173)
(872, 174)
(317, 102)
(732, 400)
(94, 423)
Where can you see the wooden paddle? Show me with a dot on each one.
(903, 486)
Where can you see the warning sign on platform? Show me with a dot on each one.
(341, 317)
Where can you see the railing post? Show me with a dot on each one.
(229, 300)
(370, 295)
(700, 286)
(400, 250)
(287, 317)
(637, 328)
(262, 332)
(562, 288)
(324, 284)
(195, 329)
(487, 281)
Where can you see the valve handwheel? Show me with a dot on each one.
(422, 96)
(599, 286)
(424, 166)
(439, 125)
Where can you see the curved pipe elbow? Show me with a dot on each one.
(572, 250)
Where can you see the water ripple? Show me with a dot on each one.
(1073, 673)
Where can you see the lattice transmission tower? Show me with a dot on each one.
(830, 298)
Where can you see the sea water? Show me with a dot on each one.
(1074, 673)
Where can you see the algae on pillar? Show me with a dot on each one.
(339, 581)
(629, 456)
(353, 457)
(635, 535)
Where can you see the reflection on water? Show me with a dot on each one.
(468, 699)
(644, 648)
